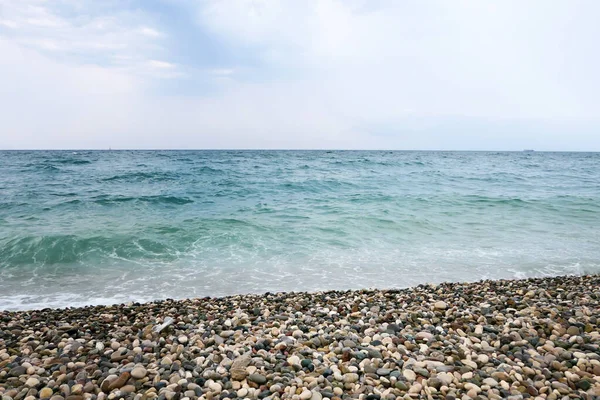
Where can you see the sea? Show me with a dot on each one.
(83, 228)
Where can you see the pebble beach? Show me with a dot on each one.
(516, 339)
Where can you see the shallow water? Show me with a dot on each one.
(98, 227)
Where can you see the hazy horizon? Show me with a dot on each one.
(319, 150)
(321, 74)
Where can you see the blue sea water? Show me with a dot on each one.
(101, 227)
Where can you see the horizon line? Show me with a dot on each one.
(300, 149)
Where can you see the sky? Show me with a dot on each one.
(300, 74)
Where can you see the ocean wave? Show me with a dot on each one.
(207, 170)
(72, 162)
(71, 249)
(493, 201)
(46, 168)
(142, 176)
(159, 199)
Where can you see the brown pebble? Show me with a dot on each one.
(128, 389)
(532, 391)
(120, 381)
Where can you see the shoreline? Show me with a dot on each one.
(259, 294)
(531, 338)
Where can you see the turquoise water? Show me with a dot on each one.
(92, 227)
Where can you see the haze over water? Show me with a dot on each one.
(99, 227)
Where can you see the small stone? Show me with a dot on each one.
(257, 378)
(409, 375)
(573, 331)
(120, 381)
(139, 372)
(316, 395)
(32, 382)
(424, 336)
(583, 384)
(434, 383)
(383, 371)
(226, 334)
(17, 371)
(445, 377)
(89, 387)
(46, 393)
(306, 394)
(491, 382)
(351, 378)
(440, 305)
(182, 339)
(215, 387)
(77, 389)
(415, 388)
(532, 390)
(128, 389)
(373, 353)
(293, 360)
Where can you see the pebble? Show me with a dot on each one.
(490, 339)
(139, 372)
(410, 375)
(215, 387)
(316, 395)
(293, 360)
(257, 378)
(424, 336)
(440, 305)
(305, 395)
(490, 382)
(32, 382)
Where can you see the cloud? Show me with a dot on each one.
(287, 74)
(160, 64)
(83, 32)
(222, 71)
(150, 32)
(467, 58)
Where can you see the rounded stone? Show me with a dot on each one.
(46, 393)
(440, 305)
(32, 382)
(316, 395)
(257, 378)
(139, 372)
(293, 360)
(410, 375)
(305, 395)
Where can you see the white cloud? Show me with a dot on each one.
(84, 31)
(8, 23)
(222, 71)
(504, 59)
(160, 64)
(321, 73)
(150, 32)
